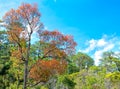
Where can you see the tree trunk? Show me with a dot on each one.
(25, 74)
(26, 64)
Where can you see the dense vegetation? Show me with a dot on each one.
(51, 62)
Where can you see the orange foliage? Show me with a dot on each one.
(26, 14)
(17, 54)
(14, 32)
(21, 23)
(44, 69)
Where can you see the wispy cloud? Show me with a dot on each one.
(93, 44)
(97, 46)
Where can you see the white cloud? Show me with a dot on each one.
(97, 47)
(92, 45)
(98, 53)
(101, 42)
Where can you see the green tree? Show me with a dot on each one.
(110, 62)
(4, 45)
(4, 60)
(83, 61)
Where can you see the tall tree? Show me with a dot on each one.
(21, 23)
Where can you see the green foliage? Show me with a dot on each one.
(5, 63)
(72, 68)
(82, 60)
(109, 61)
(14, 86)
(114, 77)
(5, 76)
(41, 87)
(66, 81)
(117, 62)
(4, 46)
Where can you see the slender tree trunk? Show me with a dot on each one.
(25, 74)
(26, 64)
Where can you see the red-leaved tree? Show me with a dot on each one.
(43, 70)
(58, 45)
(21, 23)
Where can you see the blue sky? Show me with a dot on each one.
(95, 24)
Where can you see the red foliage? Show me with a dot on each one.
(59, 45)
(44, 69)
